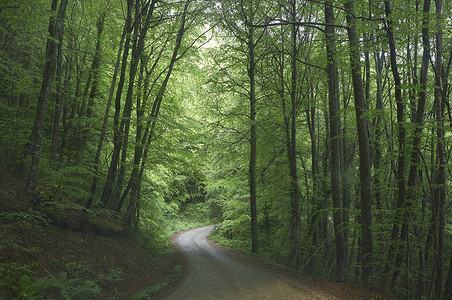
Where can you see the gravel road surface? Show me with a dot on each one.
(216, 273)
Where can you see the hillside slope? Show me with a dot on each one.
(55, 250)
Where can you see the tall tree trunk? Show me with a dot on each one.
(447, 294)
(378, 131)
(363, 146)
(253, 144)
(58, 101)
(400, 175)
(66, 98)
(46, 90)
(86, 112)
(105, 121)
(140, 141)
(315, 217)
(137, 49)
(440, 176)
(130, 215)
(95, 66)
(117, 138)
(416, 143)
(335, 131)
(292, 147)
(143, 140)
(345, 169)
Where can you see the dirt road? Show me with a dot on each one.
(218, 273)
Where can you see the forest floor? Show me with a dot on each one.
(39, 258)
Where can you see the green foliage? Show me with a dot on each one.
(11, 272)
(150, 292)
(18, 278)
(189, 216)
(176, 271)
(114, 276)
(197, 165)
(25, 219)
(73, 181)
(72, 284)
(70, 215)
(60, 285)
(15, 130)
(234, 231)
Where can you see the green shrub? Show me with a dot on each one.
(60, 286)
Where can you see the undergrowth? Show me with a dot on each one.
(190, 216)
(29, 271)
(57, 249)
(150, 292)
(20, 267)
(241, 245)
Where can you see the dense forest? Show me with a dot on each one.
(316, 133)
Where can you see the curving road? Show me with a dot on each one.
(215, 273)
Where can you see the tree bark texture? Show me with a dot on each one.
(130, 214)
(363, 146)
(400, 175)
(46, 91)
(335, 128)
(105, 122)
(416, 142)
(137, 49)
(58, 101)
(439, 195)
(292, 147)
(253, 145)
(117, 138)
